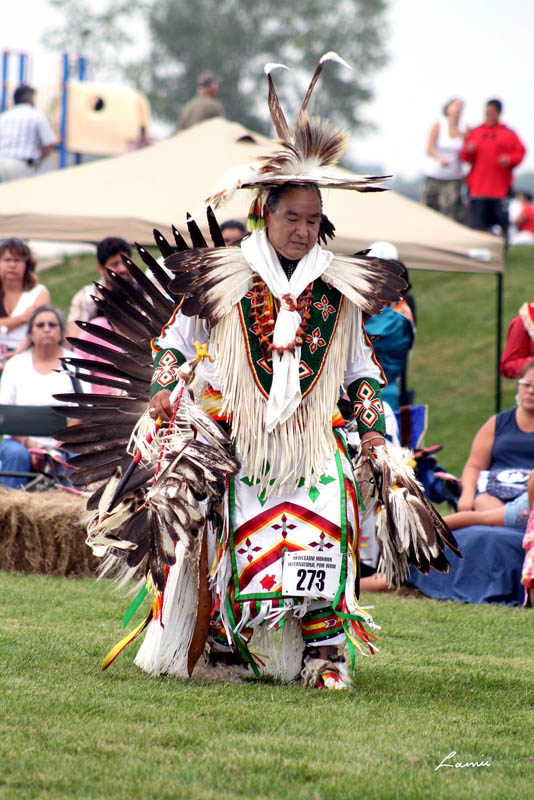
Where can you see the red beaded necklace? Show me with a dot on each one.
(262, 315)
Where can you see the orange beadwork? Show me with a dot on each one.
(263, 320)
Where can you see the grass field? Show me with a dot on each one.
(448, 678)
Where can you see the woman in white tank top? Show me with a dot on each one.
(444, 170)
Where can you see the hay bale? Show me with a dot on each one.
(44, 532)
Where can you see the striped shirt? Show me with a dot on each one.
(24, 132)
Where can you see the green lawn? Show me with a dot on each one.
(64, 280)
(448, 677)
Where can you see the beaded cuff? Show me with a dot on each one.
(366, 396)
(166, 366)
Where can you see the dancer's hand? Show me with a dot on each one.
(371, 439)
(159, 405)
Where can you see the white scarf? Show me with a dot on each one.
(285, 394)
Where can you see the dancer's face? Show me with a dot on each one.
(293, 228)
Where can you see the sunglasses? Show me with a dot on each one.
(523, 382)
(49, 325)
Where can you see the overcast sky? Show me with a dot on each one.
(438, 49)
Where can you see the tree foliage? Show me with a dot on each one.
(98, 35)
(235, 38)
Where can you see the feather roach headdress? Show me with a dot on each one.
(306, 155)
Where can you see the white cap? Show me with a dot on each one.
(384, 250)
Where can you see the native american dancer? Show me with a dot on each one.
(244, 471)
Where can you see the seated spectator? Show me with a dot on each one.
(32, 378)
(519, 346)
(522, 219)
(20, 292)
(502, 455)
(232, 231)
(109, 254)
(392, 333)
(494, 567)
(514, 514)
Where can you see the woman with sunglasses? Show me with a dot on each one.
(20, 292)
(494, 480)
(31, 378)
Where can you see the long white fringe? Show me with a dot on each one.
(302, 446)
(280, 649)
(167, 641)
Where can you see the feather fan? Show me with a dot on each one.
(408, 528)
(151, 515)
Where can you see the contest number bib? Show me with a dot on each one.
(311, 574)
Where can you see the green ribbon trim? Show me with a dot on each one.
(350, 648)
(134, 605)
(343, 526)
(343, 443)
(245, 653)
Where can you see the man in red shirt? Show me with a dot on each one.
(493, 150)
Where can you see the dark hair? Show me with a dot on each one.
(230, 224)
(110, 247)
(277, 192)
(525, 368)
(21, 249)
(496, 104)
(57, 313)
(525, 193)
(23, 94)
(207, 79)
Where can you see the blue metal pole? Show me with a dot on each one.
(62, 150)
(82, 67)
(22, 67)
(5, 68)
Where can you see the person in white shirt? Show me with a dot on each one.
(444, 172)
(32, 378)
(26, 137)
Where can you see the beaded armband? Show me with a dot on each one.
(166, 366)
(366, 397)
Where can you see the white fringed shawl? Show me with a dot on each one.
(301, 446)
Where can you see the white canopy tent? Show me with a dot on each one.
(155, 187)
(129, 195)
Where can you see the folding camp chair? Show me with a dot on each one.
(34, 421)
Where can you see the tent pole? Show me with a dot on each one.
(498, 397)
